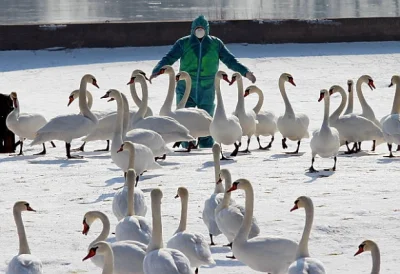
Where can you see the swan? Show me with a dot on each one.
(24, 125)
(369, 245)
(142, 152)
(103, 248)
(120, 201)
(266, 120)
(391, 122)
(151, 139)
(265, 254)
(229, 217)
(215, 199)
(132, 227)
(128, 255)
(304, 264)
(134, 94)
(69, 127)
(99, 114)
(193, 245)
(196, 120)
(325, 141)
(160, 260)
(367, 111)
(247, 119)
(349, 109)
(170, 129)
(291, 125)
(224, 129)
(24, 262)
(352, 127)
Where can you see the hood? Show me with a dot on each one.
(200, 21)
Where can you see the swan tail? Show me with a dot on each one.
(40, 139)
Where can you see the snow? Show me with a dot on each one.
(359, 201)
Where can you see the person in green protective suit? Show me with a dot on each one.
(199, 55)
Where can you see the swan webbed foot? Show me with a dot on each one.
(398, 148)
(228, 245)
(284, 145)
(43, 152)
(312, 170)
(223, 158)
(269, 145)
(52, 144)
(196, 270)
(231, 257)
(81, 148)
(161, 158)
(107, 147)
(390, 151)
(245, 151)
(74, 157)
(235, 151)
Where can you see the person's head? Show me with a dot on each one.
(200, 27)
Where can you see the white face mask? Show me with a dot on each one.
(200, 32)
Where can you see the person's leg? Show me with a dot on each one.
(207, 142)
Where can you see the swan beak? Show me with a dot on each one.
(104, 96)
(94, 82)
(246, 93)
(233, 187)
(219, 181)
(360, 250)
(92, 253)
(110, 100)
(70, 100)
(30, 209)
(15, 103)
(177, 78)
(86, 228)
(294, 208)
(292, 82)
(176, 196)
(132, 81)
(120, 149)
(390, 85)
(321, 96)
(371, 85)
(232, 81)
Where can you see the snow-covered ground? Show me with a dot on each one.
(359, 201)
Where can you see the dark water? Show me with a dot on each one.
(66, 11)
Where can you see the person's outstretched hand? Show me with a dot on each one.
(250, 76)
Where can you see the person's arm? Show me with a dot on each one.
(170, 58)
(232, 63)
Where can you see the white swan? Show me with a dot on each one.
(391, 122)
(122, 159)
(291, 125)
(265, 254)
(128, 255)
(100, 117)
(120, 201)
(160, 260)
(196, 120)
(69, 127)
(351, 127)
(367, 111)
(325, 141)
(266, 125)
(170, 129)
(134, 94)
(215, 199)
(304, 264)
(104, 249)
(229, 218)
(132, 227)
(350, 102)
(151, 139)
(193, 245)
(24, 262)
(247, 118)
(24, 125)
(369, 245)
(224, 129)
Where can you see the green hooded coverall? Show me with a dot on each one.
(200, 58)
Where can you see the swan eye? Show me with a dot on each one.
(296, 202)
(361, 246)
(27, 205)
(142, 73)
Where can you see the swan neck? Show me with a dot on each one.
(396, 101)
(15, 112)
(376, 260)
(89, 99)
(184, 210)
(186, 95)
(131, 161)
(23, 241)
(134, 95)
(350, 102)
(126, 116)
(156, 241)
(130, 180)
(240, 103)
(106, 227)
(217, 169)
(244, 230)
(227, 195)
(302, 250)
(143, 106)
(117, 138)
(83, 105)
(260, 101)
(288, 106)
(325, 122)
(167, 106)
(335, 115)
(364, 105)
(108, 267)
(220, 110)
